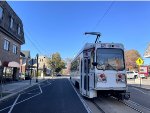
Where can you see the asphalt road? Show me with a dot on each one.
(140, 96)
(51, 96)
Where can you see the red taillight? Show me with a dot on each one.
(102, 77)
(120, 77)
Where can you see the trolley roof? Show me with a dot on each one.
(100, 45)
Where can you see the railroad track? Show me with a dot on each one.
(132, 105)
(98, 107)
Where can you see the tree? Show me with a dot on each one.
(130, 59)
(68, 66)
(56, 63)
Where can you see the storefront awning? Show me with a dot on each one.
(13, 64)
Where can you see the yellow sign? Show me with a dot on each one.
(139, 61)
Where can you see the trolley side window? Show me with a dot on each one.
(92, 59)
(85, 67)
(75, 65)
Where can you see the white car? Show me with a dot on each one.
(22, 76)
(132, 74)
(142, 75)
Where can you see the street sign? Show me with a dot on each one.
(143, 70)
(139, 61)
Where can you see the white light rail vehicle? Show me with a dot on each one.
(99, 69)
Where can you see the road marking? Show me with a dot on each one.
(140, 91)
(139, 105)
(24, 99)
(29, 91)
(40, 89)
(83, 102)
(20, 102)
(14, 104)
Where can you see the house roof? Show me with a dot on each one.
(22, 55)
(26, 53)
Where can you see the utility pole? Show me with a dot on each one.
(37, 68)
(31, 69)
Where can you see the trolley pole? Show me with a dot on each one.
(94, 33)
(37, 68)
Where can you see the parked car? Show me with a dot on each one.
(22, 76)
(142, 76)
(132, 74)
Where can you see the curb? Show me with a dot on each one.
(13, 94)
(139, 87)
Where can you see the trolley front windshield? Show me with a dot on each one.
(110, 59)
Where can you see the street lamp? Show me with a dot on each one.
(1, 77)
(37, 68)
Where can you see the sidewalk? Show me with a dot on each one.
(8, 90)
(145, 83)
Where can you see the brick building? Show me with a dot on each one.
(11, 39)
(24, 61)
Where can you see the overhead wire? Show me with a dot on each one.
(102, 17)
(32, 43)
(36, 41)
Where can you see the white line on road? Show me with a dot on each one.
(28, 98)
(84, 103)
(141, 91)
(40, 89)
(20, 101)
(14, 104)
(139, 105)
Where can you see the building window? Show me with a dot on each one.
(1, 12)
(14, 49)
(6, 45)
(11, 22)
(18, 29)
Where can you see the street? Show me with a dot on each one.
(51, 96)
(140, 96)
(58, 95)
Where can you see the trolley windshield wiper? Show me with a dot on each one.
(112, 67)
(101, 66)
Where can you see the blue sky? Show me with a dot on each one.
(60, 26)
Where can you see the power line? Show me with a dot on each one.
(33, 43)
(106, 12)
(102, 17)
(36, 41)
